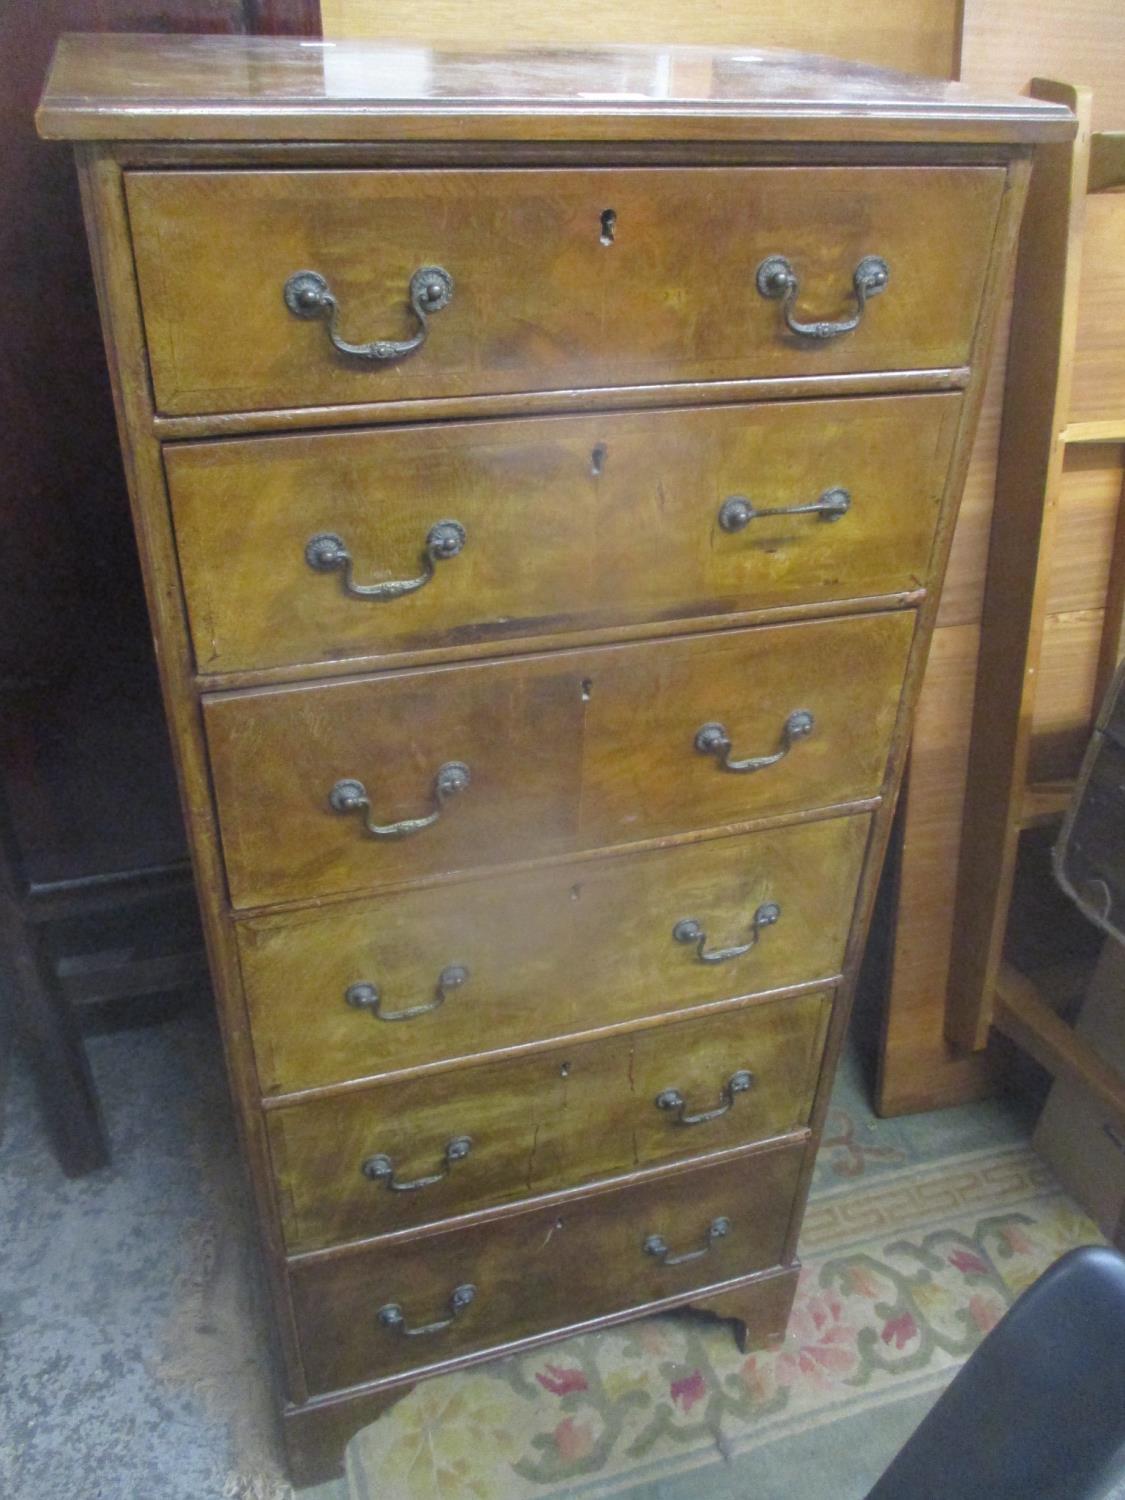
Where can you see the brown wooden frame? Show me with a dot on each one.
(315, 1428)
(1001, 800)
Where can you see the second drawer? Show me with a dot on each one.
(416, 1151)
(554, 525)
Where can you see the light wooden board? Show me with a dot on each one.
(1098, 390)
(918, 1069)
(1007, 42)
(968, 562)
(916, 36)
(1089, 493)
(1064, 700)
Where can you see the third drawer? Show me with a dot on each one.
(553, 525)
(416, 978)
(364, 783)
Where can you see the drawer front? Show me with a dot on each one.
(415, 1151)
(564, 752)
(538, 1271)
(565, 523)
(357, 990)
(548, 291)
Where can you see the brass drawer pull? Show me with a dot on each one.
(308, 295)
(381, 1168)
(328, 553)
(737, 1083)
(366, 996)
(778, 281)
(392, 1316)
(656, 1245)
(688, 930)
(349, 796)
(736, 512)
(712, 739)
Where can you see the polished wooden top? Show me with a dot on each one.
(208, 88)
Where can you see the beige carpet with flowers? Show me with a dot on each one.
(902, 1278)
(920, 1232)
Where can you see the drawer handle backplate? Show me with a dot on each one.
(367, 996)
(778, 281)
(713, 739)
(736, 512)
(349, 796)
(380, 1168)
(657, 1245)
(308, 295)
(737, 1083)
(392, 1316)
(327, 552)
(688, 930)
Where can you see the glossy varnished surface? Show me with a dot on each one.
(613, 917)
(567, 751)
(160, 88)
(552, 1120)
(542, 299)
(583, 759)
(541, 1269)
(572, 523)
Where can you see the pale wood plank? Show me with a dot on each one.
(1098, 392)
(1089, 490)
(918, 36)
(918, 1069)
(1065, 703)
(1006, 42)
(1107, 161)
(1022, 1014)
(1022, 540)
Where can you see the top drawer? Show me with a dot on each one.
(561, 280)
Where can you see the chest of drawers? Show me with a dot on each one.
(543, 474)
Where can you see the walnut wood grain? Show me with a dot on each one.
(539, 1269)
(571, 523)
(614, 916)
(566, 751)
(579, 725)
(568, 309)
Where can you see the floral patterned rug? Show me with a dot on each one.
(904, 1272)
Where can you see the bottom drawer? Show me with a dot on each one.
(540, 1270)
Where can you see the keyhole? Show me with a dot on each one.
(564, 1071)
(586, 687)
(597, 460)
(609, 225)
